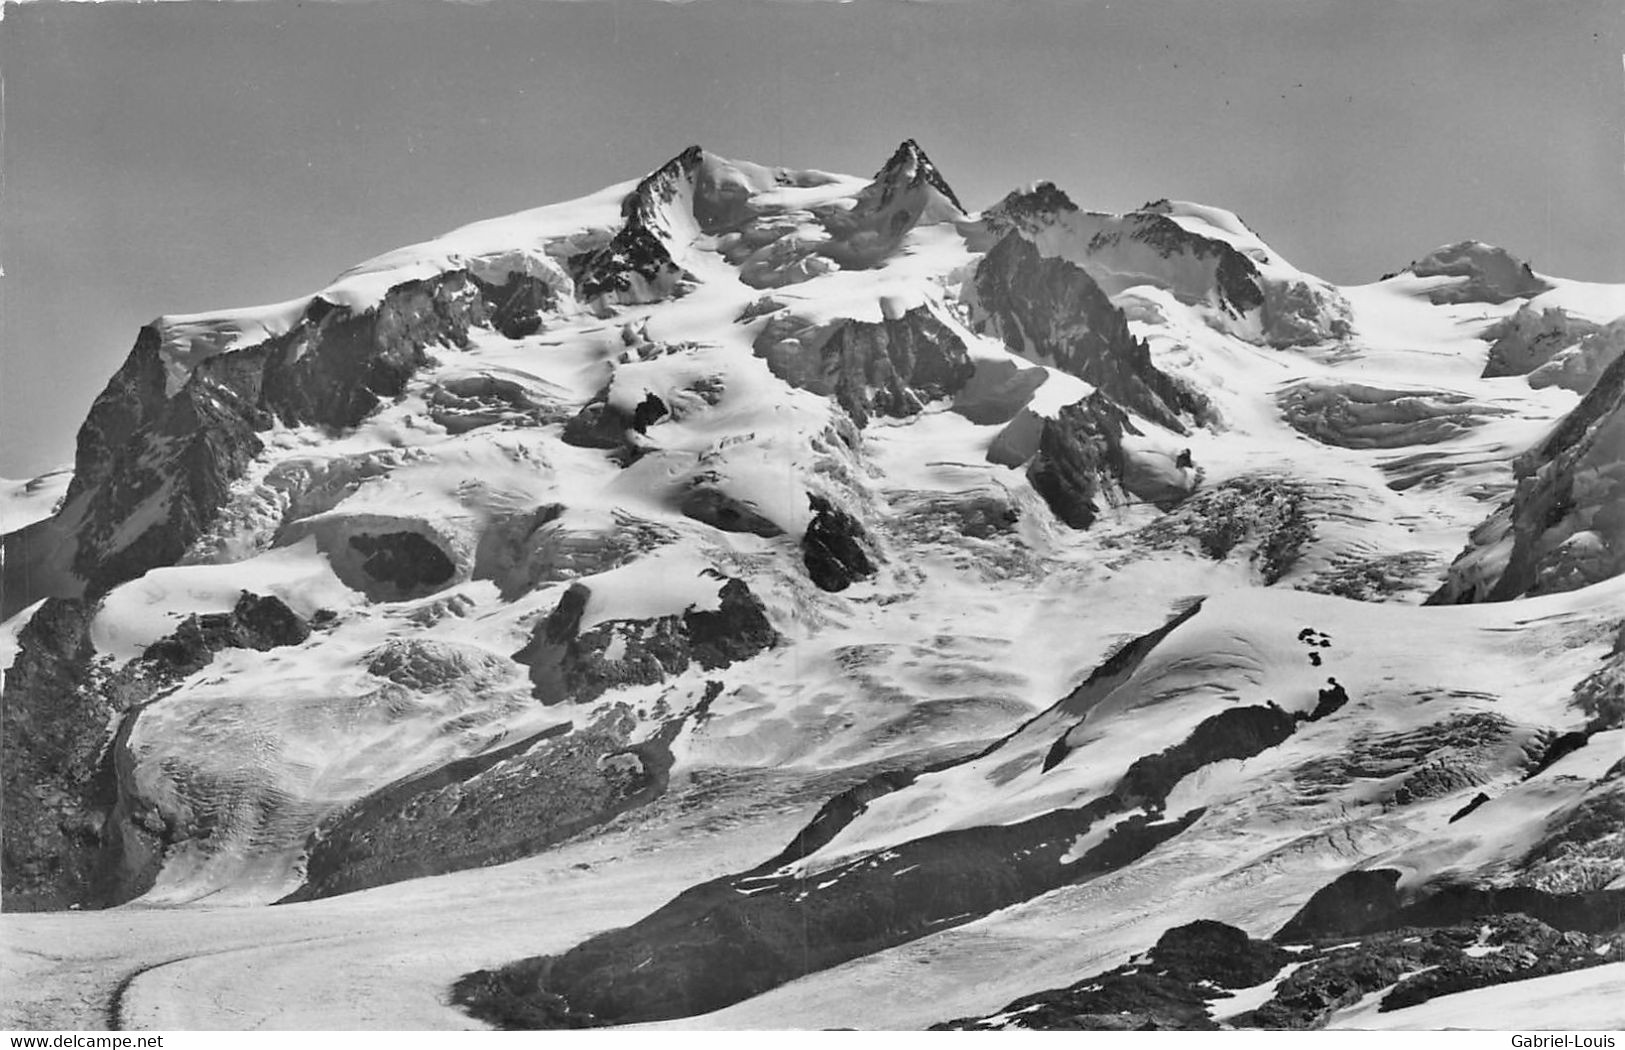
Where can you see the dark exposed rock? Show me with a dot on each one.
(1161, 989)
(518, 304)
(1052, 310)
(1238, 732)
(73, 832)
(716, 944)
(596, 426)
(1188, 967)
(1363, 902)
(909, 168)
(891, 367)
(1477, 800)
(637, 264)
(145, 456)
(1556, 748)
(833, 547)
(1561, 529)
(649, 412)
(568, 664)
(713, 506)
(489, 809)
(405, 560)
(1080, 457)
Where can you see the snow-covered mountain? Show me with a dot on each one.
(800, 578)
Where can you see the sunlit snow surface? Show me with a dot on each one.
(955, 640)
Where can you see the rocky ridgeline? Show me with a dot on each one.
(152, 471)
(1149, 245)
(1561, 529)
(637, 266)
(1188, 979)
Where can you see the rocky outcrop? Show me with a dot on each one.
(892, 367)
(1363, 902)
(1563, 528)
(1226, 270)
(834, 547)
(638, 264)
(571, 665)
(489, 809)
(153, 467)
(1051, 311)
(1187, 979)
(1479, 272)
(1080, 459)
(74, 834)
(1171, 988)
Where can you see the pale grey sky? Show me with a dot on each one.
(165, 158)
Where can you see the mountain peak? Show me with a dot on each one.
(910, 167)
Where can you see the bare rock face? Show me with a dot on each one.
(73, 833)
(886, 368)
(834, 547)
(571, 665)
(1080, 459)
(1564, 527)
(153, 467)
(1052, 311)
(638, 264)
(1252, 293)
(509, 803)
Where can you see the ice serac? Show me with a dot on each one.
(1475, 272)
(1052, 311)
(1564, 527)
